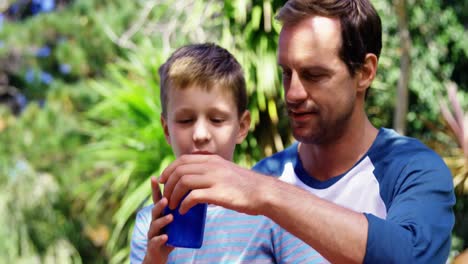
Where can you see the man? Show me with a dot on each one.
(351, 191)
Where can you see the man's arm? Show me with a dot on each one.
(339, 234)
(420, 219)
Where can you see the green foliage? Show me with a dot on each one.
(461, 217)
(436, 45)
(88, 153)
(128, 144)
(34, 187)
(77, 47)
(252, 36)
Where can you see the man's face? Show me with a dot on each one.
(319, 91)
(201, 121)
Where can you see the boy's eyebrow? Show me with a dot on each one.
(184, 110)
(224, 111)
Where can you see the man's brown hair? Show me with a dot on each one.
(206, 66)
(361, 27)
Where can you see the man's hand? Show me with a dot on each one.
(214, 180)
(157, 250)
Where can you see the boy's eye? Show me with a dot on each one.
(217, 120)
(184, 120)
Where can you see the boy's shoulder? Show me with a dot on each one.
(144, 214)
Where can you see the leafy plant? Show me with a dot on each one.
(41, 224)
(457, 160)
(91, 137)
(128, 146)
(457, 120)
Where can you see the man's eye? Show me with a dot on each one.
(312, 76)
(286, 74)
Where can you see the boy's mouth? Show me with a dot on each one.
(202, 152)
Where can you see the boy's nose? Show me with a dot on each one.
(201, 132)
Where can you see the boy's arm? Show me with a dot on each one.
(147, 244)
(157, 251)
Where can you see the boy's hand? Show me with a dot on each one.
(157, 251)
(214, 180)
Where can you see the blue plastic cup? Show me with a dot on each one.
(186, 230)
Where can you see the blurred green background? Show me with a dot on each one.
(79, 107)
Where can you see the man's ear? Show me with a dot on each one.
(366, 73)
(166, 130)
(244, 126)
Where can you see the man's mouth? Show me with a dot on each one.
(302, 115)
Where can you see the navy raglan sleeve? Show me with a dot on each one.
(419, 218)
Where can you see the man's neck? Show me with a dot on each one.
(325, 161)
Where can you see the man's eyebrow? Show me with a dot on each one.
(305, 68)
(315, 68)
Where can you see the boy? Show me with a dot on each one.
(204, 111)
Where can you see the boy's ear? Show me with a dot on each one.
(366, 73)
(244, 126)
(166, 130)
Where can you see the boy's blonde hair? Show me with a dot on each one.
(206, 66)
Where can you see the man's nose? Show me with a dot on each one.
(295, 90)
(201, 132)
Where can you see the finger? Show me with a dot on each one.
(158, 224)
(156, 190)
(158, 209)
(171, 183)
(179, 172)
(157, 241)
(186, 177)
(168, 248)
(195, 197)
(168, 171)
(188, 183)
(184, 159)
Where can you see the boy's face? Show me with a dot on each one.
(201, 121)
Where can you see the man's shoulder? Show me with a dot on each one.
(395, 146)
(274, 164)
(393, 153)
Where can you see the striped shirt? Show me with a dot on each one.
(231, 237)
